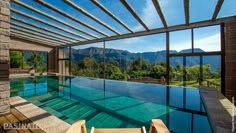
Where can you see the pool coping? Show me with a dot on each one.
(220, 110)
(47, 122)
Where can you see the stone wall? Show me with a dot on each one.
(4, 55)
(4, 39)
(230, 60)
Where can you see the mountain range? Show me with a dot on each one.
(124, 56)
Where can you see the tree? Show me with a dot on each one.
(88, 67)
(40, 63)
(139, 64)
(114, 72)
(16, 59)
(139, 68)
(157, 71)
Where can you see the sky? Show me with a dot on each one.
(173, 10)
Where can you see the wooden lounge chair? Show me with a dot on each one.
(156, 125)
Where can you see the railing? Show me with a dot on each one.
(213, 84)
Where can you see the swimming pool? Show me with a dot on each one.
(110, 103)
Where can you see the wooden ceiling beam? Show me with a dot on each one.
(19, 35)
(69, 38)
(71, 17)
(160, 30)
(44, 22)
(55, 19)
(98, 4)
(186, 11)
(40, 32)
(159, 11)
(217, 9)
(135, 15)
(91, 16)
(30, 34)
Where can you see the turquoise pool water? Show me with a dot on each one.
(109, 103)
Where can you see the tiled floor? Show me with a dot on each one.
(15, 117)
(38, 116)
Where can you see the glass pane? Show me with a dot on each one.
(28, 59)
(212, 71)
(176, 71)
(227, 9)
(63, 67)
(173, 11)
(16, 59)
(207, 39)
(201, 10)
(180, 41)
(127, 59)
(87, 60)
(64, 53)
(61, 53)
(192, 71)
(41, 58)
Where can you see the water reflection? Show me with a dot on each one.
(180, 108)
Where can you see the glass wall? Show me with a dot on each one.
(138, 59)
(41, 62)
(180, 41)
(28, 60)
(212, 71)
(176, 71)
(64, 61)
(207, 39)
(87, 60)
(192, 57)
(193, 78)
(143, 59)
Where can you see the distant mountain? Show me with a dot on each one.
(124, 57)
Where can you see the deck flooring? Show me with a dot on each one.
(15, 117)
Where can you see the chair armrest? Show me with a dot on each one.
(77, 127)
(159, 126)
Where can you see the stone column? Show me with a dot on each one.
(4, 55)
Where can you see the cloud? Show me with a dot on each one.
(209, 43)
(148, 15)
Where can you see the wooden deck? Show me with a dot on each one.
(15, 117)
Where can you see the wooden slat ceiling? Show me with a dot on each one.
(31, 31)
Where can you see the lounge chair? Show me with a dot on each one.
(156, 125)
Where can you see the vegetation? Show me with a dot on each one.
(139, 68)
(27, 61)
(16, 59)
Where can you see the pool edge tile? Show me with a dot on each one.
(47, 122)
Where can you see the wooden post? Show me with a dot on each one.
(167, 59)
(35, 62)
(222, 38)
(201, 71)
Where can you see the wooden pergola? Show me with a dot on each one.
(62, 39)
